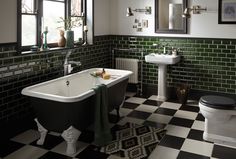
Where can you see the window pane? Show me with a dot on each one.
(52, 11)
(27, 6)
(28, 30)
(76, 7)
(78, 29)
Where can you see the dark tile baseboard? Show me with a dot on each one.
(171, 91)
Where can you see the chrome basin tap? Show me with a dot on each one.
(68, 64)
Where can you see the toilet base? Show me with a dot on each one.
(228, 141)
(219, 125)
(220, 131)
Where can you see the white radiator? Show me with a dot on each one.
(129, 64)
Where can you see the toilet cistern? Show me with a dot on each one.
(162, 61)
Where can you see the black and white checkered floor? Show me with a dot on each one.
(184, 125)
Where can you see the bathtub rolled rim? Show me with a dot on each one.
(58, 98)
(28, 91)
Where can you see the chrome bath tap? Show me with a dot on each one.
(68, 64)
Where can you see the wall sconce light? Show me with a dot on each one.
(147, 10)
(196, 10)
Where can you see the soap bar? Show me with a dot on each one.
(106, 76)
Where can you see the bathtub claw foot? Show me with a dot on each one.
(71, 136)
(43, 132)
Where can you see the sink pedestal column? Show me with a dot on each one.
(161, 95)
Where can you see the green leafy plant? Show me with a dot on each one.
(71, 22)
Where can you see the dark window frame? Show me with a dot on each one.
(39, 15)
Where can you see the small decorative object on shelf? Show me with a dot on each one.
(79, 42)
(85, 35)
(34, 48)
(45, 45)
(69, 39)
(62, 39)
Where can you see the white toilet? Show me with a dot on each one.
(220, 119)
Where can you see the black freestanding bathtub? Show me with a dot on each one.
(69, 100)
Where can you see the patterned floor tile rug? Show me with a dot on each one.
(133, 141)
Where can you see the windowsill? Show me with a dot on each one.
(53, 49)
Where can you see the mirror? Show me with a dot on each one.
(168, 16)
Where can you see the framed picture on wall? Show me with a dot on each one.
(227, 12)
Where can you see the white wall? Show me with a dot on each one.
(101, 17)
(8, 22)
(122, 25)
(201, 25)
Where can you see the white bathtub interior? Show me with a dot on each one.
(74, 87)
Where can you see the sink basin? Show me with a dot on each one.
(162, 59)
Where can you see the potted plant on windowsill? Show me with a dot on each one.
(69, 24)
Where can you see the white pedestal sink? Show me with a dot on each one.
(162, 61)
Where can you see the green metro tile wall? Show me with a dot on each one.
(206, 64)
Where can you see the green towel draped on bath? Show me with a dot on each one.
(101, 123)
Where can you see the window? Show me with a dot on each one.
(51, 17)
(39, 15)
(29, 22)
